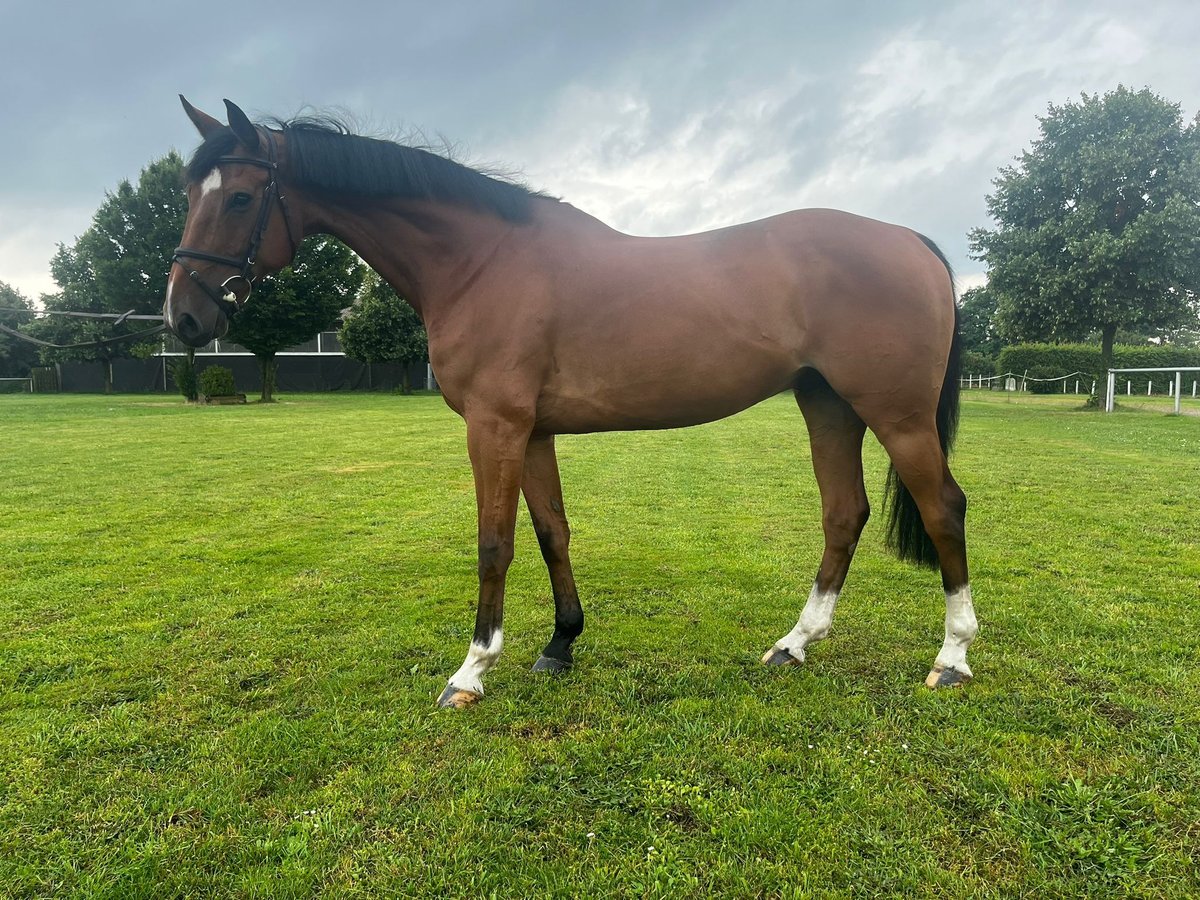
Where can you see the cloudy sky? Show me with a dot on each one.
(658, 117)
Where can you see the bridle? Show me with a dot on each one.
(224, 296)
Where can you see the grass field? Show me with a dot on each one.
(222, 631)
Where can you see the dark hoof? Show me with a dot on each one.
(941, 677)
(457, 698)
(551, 666)
(777, 656)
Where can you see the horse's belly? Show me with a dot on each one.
(656, 397)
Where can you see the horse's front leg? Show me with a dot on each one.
(497, 448)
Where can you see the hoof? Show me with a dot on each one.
(457, 698)
(941, 677)
(551, 666)
(777, 656)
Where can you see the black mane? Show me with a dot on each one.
(323, 153)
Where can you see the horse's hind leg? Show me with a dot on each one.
(835, 433)
(543, 494)
(917, 456)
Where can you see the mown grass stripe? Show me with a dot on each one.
(222, 630)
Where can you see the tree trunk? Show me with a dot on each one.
(268, 364)
(1108, 334)
(108, 375)
(405, 384)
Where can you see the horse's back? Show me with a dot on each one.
(661, 332)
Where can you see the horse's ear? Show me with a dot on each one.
(205, 124)
(242, 126)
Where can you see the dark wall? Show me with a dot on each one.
(295, 373)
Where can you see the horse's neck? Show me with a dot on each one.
(418, 248)
(431, 253)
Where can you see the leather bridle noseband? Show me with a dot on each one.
(224, 296)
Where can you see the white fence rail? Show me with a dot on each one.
(1176, 389)
(1011, 381)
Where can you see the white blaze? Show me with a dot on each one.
(167, 304)
(211, 183)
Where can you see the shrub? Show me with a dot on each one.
(185, 377)
(217, 381)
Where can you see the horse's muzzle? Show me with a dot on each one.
(188, 329)
(198, 330)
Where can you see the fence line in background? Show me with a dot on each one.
(1020, 382)
(1176, 389)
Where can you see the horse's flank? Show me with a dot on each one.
(624, 332)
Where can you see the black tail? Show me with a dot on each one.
(906, 535)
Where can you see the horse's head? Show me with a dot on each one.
(232, 234)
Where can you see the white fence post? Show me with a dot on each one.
(1174, 385)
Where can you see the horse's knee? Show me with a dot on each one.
(844, 524)
(494, 558)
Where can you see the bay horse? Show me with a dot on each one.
(542, 320)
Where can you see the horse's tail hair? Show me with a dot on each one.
(906, 535)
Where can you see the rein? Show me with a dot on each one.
(224, 295)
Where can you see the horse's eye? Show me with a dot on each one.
(240, 200)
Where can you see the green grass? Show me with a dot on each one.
(222, 631)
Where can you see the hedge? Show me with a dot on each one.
(1050, 360)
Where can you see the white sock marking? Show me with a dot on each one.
(480, 658)
(211, 183)
(961, 628)
(815, 621)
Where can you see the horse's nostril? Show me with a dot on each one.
(186, 326)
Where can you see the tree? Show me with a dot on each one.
(120, 263)
(16, 356)
(1098, 225)
(298, 302)
(133, 236)
(384, 328)
(976, 321)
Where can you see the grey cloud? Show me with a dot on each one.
(661, 117)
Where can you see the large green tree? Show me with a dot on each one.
(977, 321)
(1098, 223)
(120, 263)
(297, 303)
(16, 355)
(384, 328)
